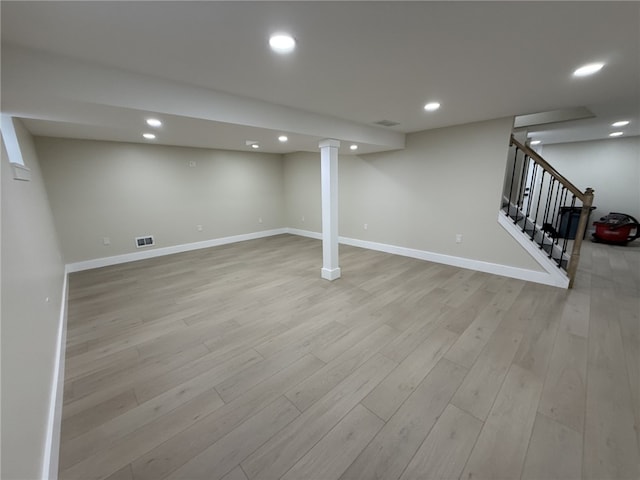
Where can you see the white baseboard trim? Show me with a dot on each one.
(544, 278)
(478, 265)
(52, 440)
(551, 275)
(330, 275)
(158, 252)
(555, 276)
(305, 233)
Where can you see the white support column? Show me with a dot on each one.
(329, 176)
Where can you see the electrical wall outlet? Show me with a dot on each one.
(106, 241)
(192, 164)
(302, 218)
(458, 238)
(260, 220)
(199, 228)
(366, 226)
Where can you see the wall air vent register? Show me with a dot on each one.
(386, 123)
(146, 241)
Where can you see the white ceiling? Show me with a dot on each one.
(96, 69)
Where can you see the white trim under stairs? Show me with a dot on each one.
(555, 275)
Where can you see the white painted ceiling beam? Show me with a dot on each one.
(30, 76)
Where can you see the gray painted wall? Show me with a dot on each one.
(122, 191)
(611, 167)
(32, 271)
(446, 181)
(302, 196)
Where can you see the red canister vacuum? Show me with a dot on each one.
(616, 228)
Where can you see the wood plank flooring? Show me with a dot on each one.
(240, 363)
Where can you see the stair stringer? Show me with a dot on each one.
(556, 276)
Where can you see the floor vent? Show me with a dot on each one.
(145, 241)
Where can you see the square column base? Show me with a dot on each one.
(330, 274)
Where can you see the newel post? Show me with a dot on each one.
(582, 227)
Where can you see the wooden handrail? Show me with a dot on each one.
(552, 171)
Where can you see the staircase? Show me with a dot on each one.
(545, 210)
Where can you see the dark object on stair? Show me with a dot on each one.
(569, 221)
(549, 230)
(616, 228)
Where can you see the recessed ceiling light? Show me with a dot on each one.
(149, 136)
(154, 122)
(621, 123)
(255, 145)
(283, 138)
(353, 147)
(432, 106)
(616, 134)
(536, 142)
(588, 69)
(282, 43)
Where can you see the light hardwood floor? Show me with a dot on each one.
(239, 362)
